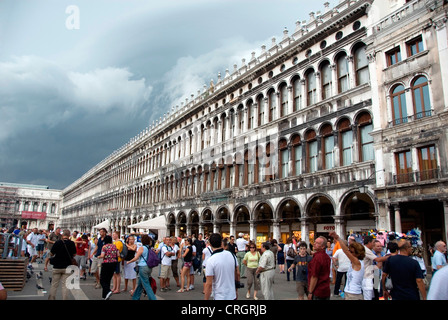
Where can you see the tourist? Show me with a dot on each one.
(439, 258)
(281, 257)
(52, 238)
(439, 284)
(241, 244)
(221, 271)
(82, 248)
(129, 268)
(300, 264)
(266, 269)
(166, 253)
(251, 260)
(355, 274)
(62, 253)
(175, 261)
(290, 250)
(117, 274)
(369, 267)
(199, 243)
(187, 256)
(319, 272)
(406, 275)
(342, 264)
(96, 259)
(144, 272)
(109, 256)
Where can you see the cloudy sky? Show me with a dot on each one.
(79, 78)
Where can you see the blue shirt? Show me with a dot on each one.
(438, 259)
(100, 247)
(141, 261)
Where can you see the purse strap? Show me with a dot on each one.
(67, 250)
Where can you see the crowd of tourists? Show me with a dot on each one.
(369, 267)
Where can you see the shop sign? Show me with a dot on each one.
(325, 228)
(34, 215)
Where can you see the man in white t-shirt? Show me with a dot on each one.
(221, 271)
(166, 253)
(32, 241)
(342, 264)
(241, 245)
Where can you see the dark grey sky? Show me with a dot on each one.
(70, 97)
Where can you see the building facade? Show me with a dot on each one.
(38, 205)
(303, 138)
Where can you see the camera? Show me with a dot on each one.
(239, 285)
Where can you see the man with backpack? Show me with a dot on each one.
(166, 253)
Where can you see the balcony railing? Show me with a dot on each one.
(416, 176)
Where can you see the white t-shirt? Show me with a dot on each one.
(207, 252)
(166, 260)
(343, 261)
(221, 266)
(33, 238)
(175, 250)
(241, 244)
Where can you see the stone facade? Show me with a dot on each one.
(300, 139)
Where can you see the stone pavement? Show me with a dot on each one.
(38, 288)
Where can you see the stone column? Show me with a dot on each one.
(397, 218)
(253, 230)
(304, 230)
(276, 232)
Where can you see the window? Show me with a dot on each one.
(361, 66)
(223, 174)
(399, 111)
(420, 95)
(328, 146)
(296, 155)
(311, 87)
(250, 110)
(326, 80)
(342, 70)
(346, 142)
(415, 46)
(272, 106)
(241, 119)
(259, 166)
(427, 163)
(284, 100)
(297, 91)
(404, 166)
(365, 139)
(231, 176)
(261, 111)
(393, 56)
(312, 151)
(249, 167)
(284, 159)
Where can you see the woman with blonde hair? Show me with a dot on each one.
(356, 253)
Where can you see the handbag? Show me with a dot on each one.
(72, 260)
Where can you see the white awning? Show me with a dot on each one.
(104, 224)
(158, 223)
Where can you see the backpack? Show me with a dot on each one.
(291, 253)
(124, 251)
(152, 260)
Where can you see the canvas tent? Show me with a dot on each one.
(156, 224)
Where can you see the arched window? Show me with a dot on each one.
(249, 167)
(366, 152)
(272, 106)
(311, 151)
(283, 100)
(327, 146)
(345, 142)
(311, 87)
(239, 174)
(261, 110)
(420, 95)
(342, 70)
(297, 155)
(399, 111)
(361, 65)
(297, 92)
(326, 80)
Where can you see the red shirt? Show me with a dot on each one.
(319, 267)
(80, 248)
